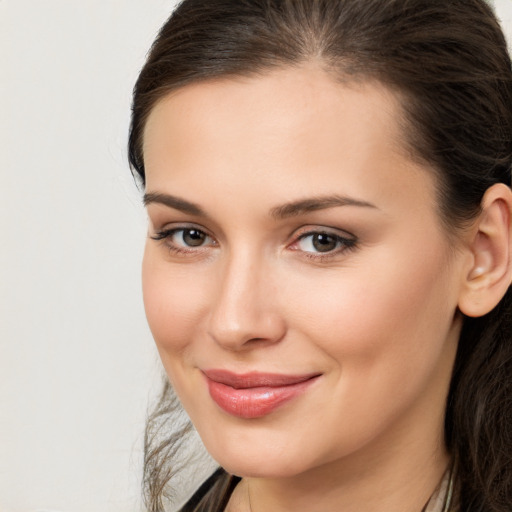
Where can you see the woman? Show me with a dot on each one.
(328, 263)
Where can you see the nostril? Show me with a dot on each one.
(248, 335)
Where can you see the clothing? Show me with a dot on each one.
(214, 494)
(445, 497)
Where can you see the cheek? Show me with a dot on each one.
(387, 332)
(387, 312)
(173, 301)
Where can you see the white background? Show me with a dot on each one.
(77, 364)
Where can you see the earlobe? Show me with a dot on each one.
(490, 272)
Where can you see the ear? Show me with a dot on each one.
(489, 271)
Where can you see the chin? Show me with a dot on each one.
(258, 459)
(261, 468)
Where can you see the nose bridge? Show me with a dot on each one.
(243, 309)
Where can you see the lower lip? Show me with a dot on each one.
(254, 402)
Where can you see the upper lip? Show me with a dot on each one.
(256, 379)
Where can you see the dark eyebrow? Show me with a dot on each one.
(316, 203)
(295, 208)
(173, 202)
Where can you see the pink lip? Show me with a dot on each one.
(253, 395)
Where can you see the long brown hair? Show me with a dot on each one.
(448, 61)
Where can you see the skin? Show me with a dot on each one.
(378, 320)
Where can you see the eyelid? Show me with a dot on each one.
(168, 229)
(348, 240)
(164, 235)
(316, 230)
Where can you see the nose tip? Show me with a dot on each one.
(244, 312)
(246, 330)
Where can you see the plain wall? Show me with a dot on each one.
(77, 363)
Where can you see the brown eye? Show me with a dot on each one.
(177, 239)
(193, 237)
(323, 242)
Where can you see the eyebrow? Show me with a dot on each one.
(295, 208)
(313, 204)
(174, 202)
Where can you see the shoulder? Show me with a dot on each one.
(213, 494)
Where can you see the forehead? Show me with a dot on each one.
(294, 131)
(286, 102)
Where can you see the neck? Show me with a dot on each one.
(376, 490)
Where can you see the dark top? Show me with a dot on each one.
(214, 493)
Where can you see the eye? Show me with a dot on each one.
(322, 242)
(190, 237)
(319, 242)
(184, 239)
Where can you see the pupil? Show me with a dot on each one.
(324, 243)
(193, 237)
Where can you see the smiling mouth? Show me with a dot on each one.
(253, 395)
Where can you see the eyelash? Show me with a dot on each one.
(343, 244)
(165, 235)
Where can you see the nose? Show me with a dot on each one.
(244, 309)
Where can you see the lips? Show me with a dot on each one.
(253, 395)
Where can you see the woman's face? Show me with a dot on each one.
(297, 280)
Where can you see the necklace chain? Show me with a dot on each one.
(249, 496)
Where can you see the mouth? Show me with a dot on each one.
(254, 395)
